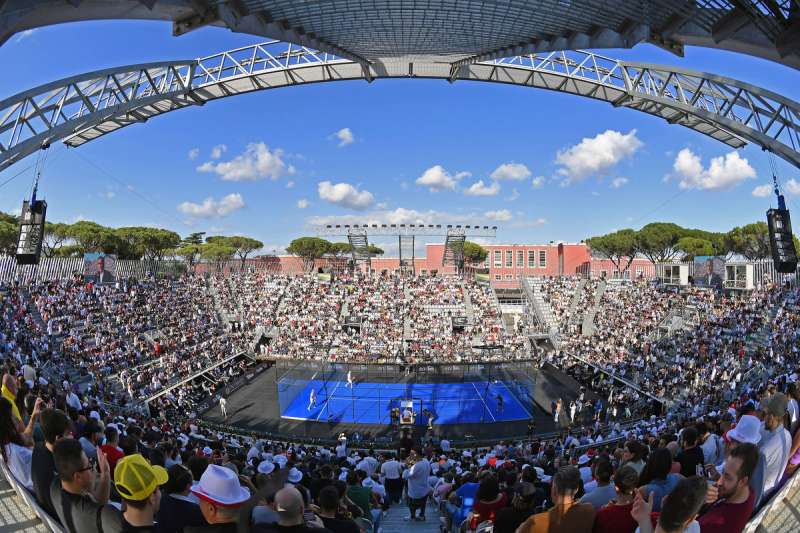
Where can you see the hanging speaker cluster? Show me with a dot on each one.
(784, 255)
(31, 232)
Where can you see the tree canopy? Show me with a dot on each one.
(619, 247)
(474, 253)
(665, 241)
(309, 249)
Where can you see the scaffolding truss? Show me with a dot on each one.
(406, 244)
(82, 108)
(454, 248)
(359, 246)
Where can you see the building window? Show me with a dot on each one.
(520, 259)
(498, 277)
(509, 258)
(542, 258)
(531, 259)
(498, 258)
(486, 263)
(424, 271)
(509, 276)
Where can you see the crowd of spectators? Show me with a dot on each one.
(724, 443)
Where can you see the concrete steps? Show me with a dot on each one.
(393, 520)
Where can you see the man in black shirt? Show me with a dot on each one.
(328, 510)
(80, 509)
(692, 455)
(55, 425)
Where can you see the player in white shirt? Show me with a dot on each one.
(223, 406)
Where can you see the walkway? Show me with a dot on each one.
(393, 520)
(14, 514)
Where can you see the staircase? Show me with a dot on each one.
(573, 304)
(588, 320)
(468, 309)
(393, 520)
(543, 313)
(406, 320)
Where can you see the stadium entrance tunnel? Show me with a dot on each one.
(84, 107)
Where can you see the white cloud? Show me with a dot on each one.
(528, 223)
(345, 195)
(257, 162)
(290, 184)
(513, 196)
(616, 183)
(723, 172)
(537, 182)
(108, 195)
(395, 216)
(762, 191)
(597, 154)
(501, 215)
(24, 35)
(193, 154)
(479, 189)
(345, 136)
(792, 187)
(437, 178)
(511, 171)
(302, 203)
(211, 208)
(218, 150)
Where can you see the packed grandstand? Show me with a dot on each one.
(79, 357)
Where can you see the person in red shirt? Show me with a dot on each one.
(730, 500)
(488, 500)
(111, 448)
(616, 517)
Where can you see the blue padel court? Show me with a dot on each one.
(371, 403)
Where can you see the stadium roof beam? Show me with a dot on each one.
(84, 107)
(452, 31)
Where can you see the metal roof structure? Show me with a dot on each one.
(82, 108)
(454, 31)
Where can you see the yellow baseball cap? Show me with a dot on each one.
(136, 479)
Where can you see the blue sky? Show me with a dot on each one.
(531, 153)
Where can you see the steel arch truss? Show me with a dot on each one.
(80, 109)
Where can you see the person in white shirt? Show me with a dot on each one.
(223, 406)
(775, 443)
(391, 472)
(418, 487)
(793, 407)
(349, 383)
(312, 400)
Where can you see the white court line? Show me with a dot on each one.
(338, 383)
(511, 392)
(484, 402)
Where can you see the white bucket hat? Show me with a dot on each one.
(221, 486)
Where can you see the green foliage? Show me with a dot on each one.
(142, 242)
(694, 246)
(8, 237)
(620, 246)
(55, 236)
(474, 253)
(751, 241)
(218, 254)
(337, 249)
(195, 238)
(9, 218)
(309, 249)
(242, 246)
(658, 240)
(374, 250)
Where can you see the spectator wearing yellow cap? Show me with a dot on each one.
(138, 483)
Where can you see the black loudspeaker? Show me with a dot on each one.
(31, 232)
(784, 254)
